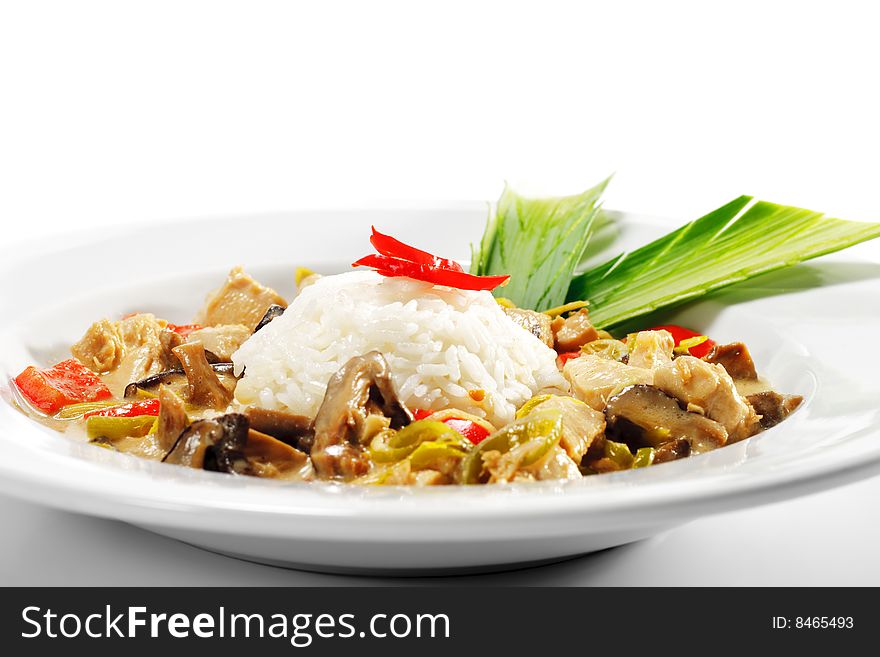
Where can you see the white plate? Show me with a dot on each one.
(813, 341)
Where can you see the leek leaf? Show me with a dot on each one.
(735, 242)
(539, 242)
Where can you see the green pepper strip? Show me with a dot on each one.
(644, 457)
(116, 428)
(619, 453)
(74, 411)
(544, 424)
(386, 448)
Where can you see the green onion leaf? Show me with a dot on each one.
(539, 242)
(735, 242)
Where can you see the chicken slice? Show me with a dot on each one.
(708, 389)
(240, 300)
(594, 379)
(650, 349)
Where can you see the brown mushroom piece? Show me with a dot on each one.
(360, 400)
(213, 444)
(175, 378)
(205, 388)
(644, 416)
(773, 407)
(735, 358)
(271, 313)
(172, 419)
(672, 451)
(295, 430)
(270, 458)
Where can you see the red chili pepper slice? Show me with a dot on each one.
(471, 430)
(394, 248)
(184, 329)
(568, 355)
(68, 382)
(680, 333)
(133, 409)
(388, 266)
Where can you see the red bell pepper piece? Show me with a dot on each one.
(470, 430)
(566, 356)
(474, 432)
(388, 266)
(68, 382)
(133, 409)
(398, 259)
(184, 329)
(680, 333)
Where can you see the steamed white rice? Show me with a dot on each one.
(439, 342)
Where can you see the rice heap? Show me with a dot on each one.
(440, 343)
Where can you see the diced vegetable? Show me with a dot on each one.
(619, 453)
(116, 428)
(390, 446)
(75, 411)
(735, 242)
(644, 457)
(607, 348)
(568, 355)
(132, 409)
(539, 242)
(184, 329)
(687, 341)
(473, 428)
(68, 382)
(546, 425)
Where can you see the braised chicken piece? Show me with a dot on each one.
(222, 341)
(650, 349)
(574, 331)
(708, 389)
(241, 300)
(136, 346)
(595, 379)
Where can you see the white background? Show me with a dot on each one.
(116, 112)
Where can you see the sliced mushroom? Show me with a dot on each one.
(672, 451)
(213, 444)
(205, 388)
(295, 430)
(735, 358)
(273, 311)
(172, 419)
(270, 458)
(356, 394)
(171, 377)
(773, 407)
(643, 416)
